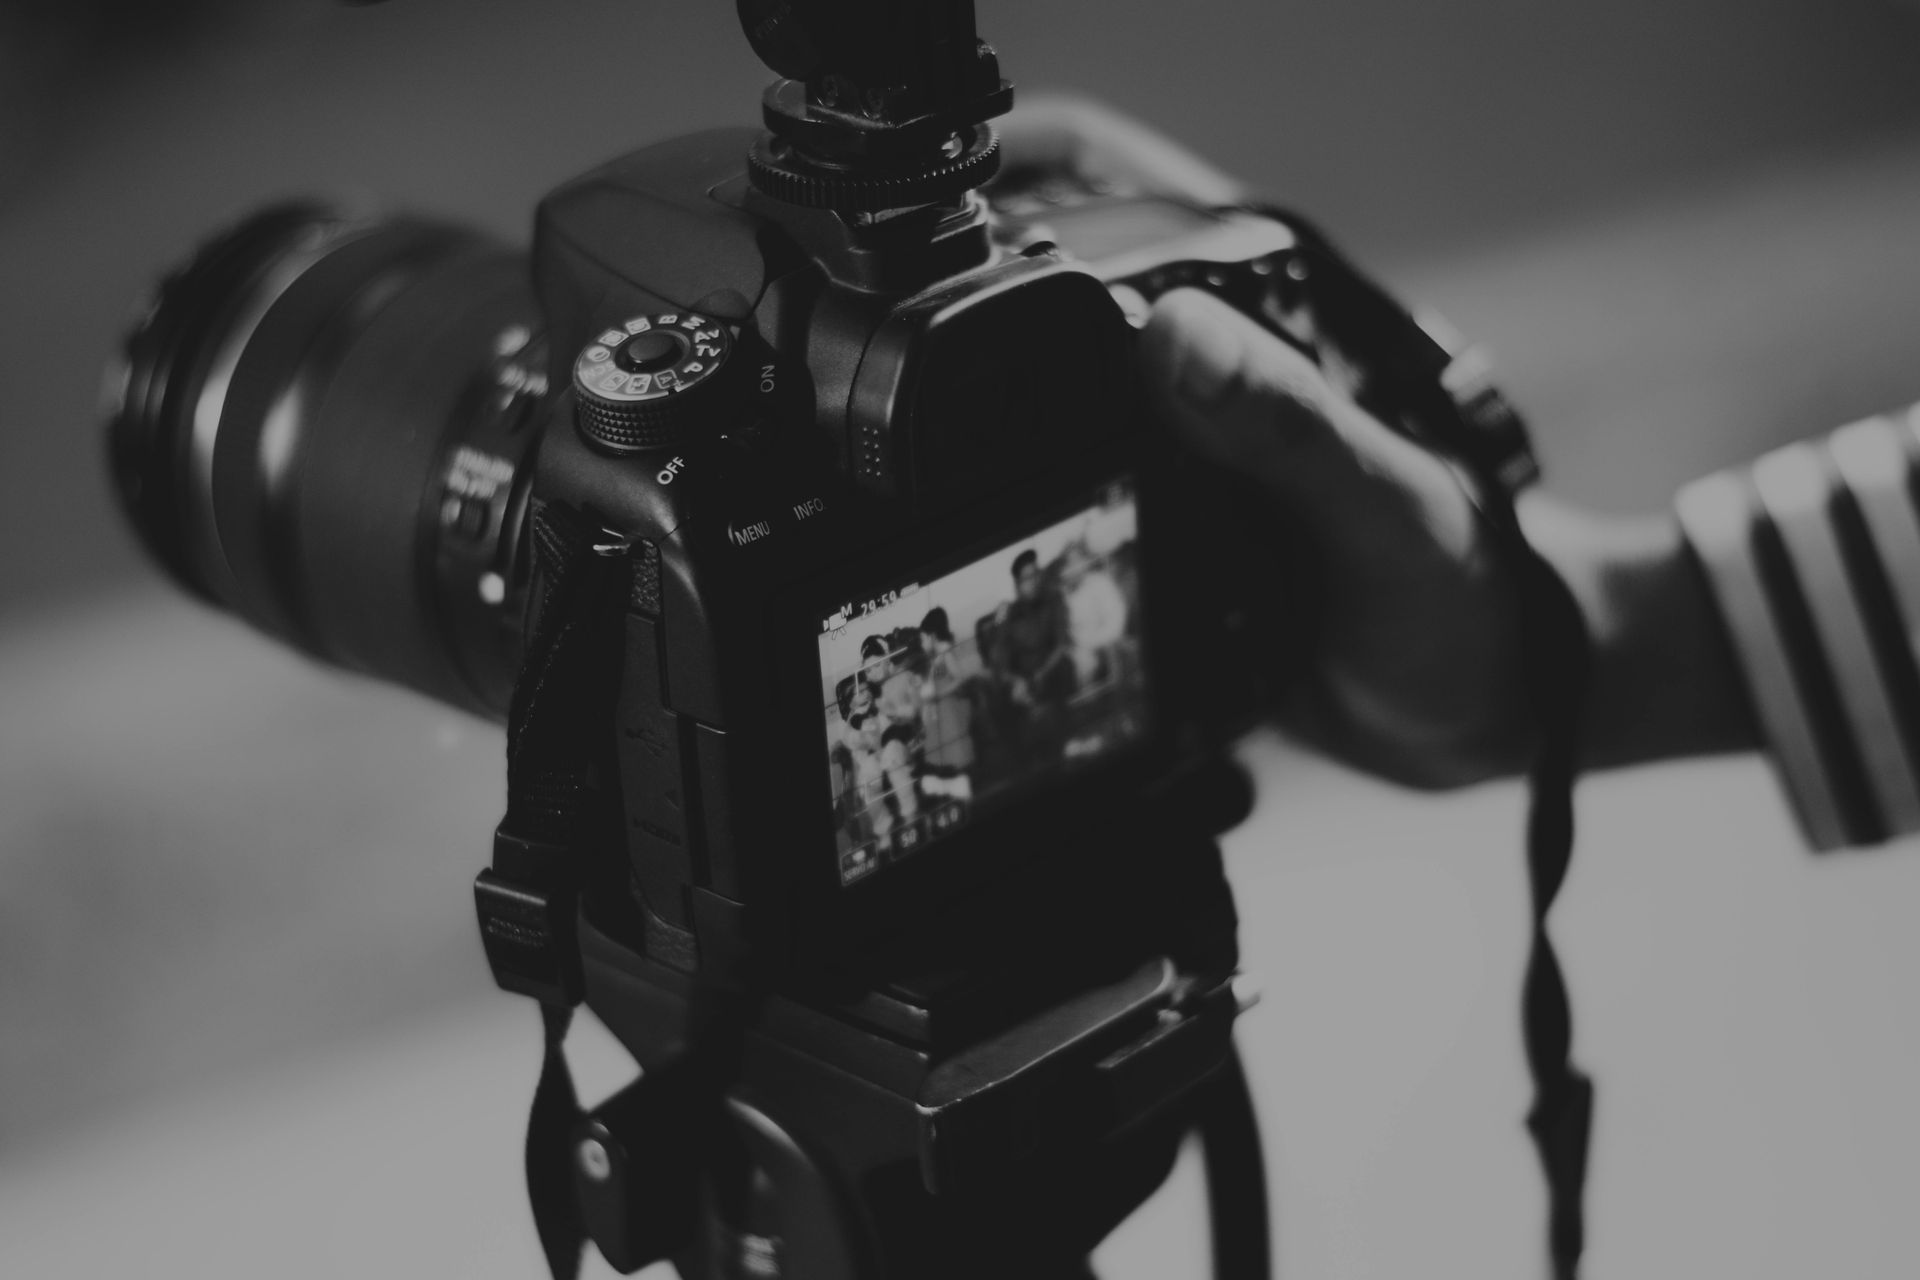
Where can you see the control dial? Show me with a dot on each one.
(643, 384)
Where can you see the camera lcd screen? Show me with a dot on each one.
(948, 697)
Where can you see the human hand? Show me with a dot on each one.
(1052, 137)
(1417, 664)
(1416, 671)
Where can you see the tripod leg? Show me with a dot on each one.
(1236, 1177)
(778, 1216)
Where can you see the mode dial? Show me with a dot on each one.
(642, 385)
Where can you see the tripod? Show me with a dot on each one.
(797, 1221)
(838, 1154)
(796, 1226)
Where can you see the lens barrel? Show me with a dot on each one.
(325, 424)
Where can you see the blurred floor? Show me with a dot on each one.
(240, 1000)
(212, 851)
(1742, 1007)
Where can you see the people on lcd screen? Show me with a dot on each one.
(1096, 613)
(898, 696)
(867, 774)
(955, 676)
(933, 722)
(1031, 638)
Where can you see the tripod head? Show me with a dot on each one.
(882, 104)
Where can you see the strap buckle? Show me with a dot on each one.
(526, 926)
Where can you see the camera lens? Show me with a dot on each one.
(325, 424)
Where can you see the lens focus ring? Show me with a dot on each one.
(295, 410)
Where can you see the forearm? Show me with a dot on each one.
(1665, 681)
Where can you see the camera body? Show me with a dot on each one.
(869, 653)
(924, 642)
(878, 422)
(1006, 952)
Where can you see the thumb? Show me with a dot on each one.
(1239, 395)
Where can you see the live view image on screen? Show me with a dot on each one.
(946, 699)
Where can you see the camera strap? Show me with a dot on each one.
(560, 824)
(1414, 381)
(560, 842)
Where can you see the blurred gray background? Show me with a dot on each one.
(244, 1024)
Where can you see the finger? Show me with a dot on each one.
(1241, 396)
(1042, 134)
(1085, 139)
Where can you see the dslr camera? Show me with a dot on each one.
(867, 652)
